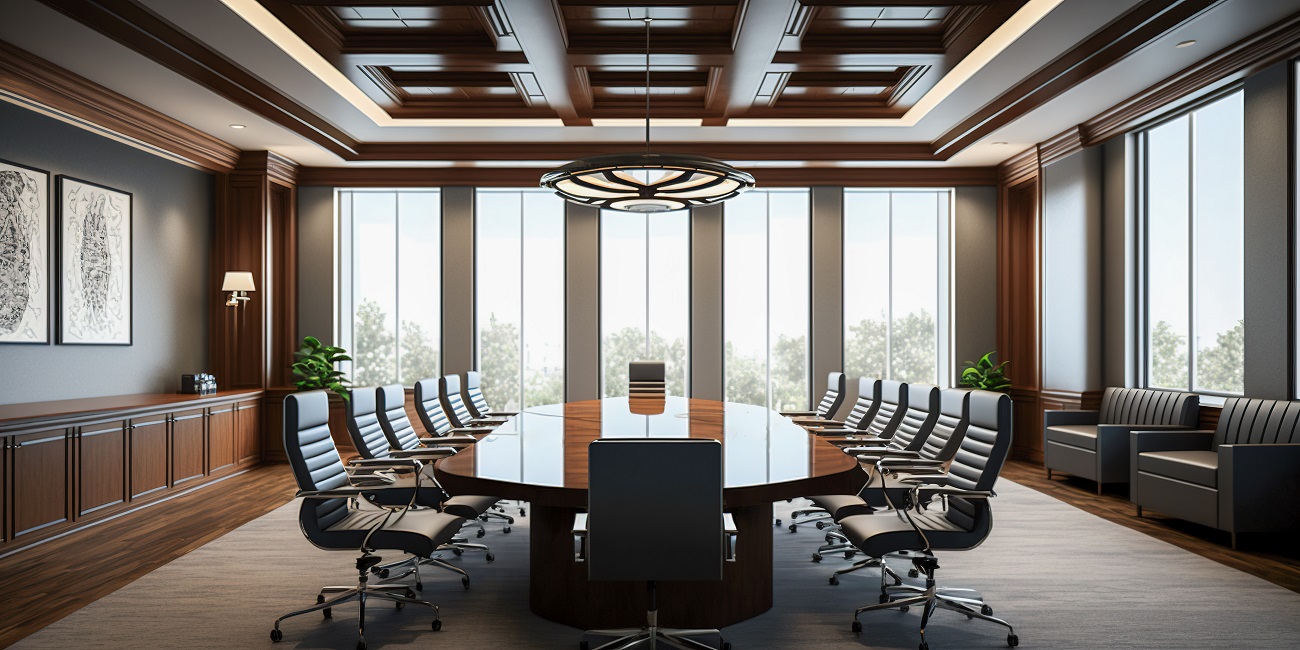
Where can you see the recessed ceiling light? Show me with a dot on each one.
(236, 126)
(1186, 44)
(998, 142)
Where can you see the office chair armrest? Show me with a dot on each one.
(900, 461)
(729, 536)
(1059, 417)
(336, 493)
(485, 423)
(420, 453)
(795, 414)
(924, 492)
(501, 414)
(372, 464)
(580, 536)
(851, 436)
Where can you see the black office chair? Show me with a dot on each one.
(863, 412)
(437, 424)
(963, 521)
(457, 409)
(676, 531)
(477, 402)
(336, 514)
(831, 402)
(647, 379)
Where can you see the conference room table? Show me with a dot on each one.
(540, 456)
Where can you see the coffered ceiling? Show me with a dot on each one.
(531, 83)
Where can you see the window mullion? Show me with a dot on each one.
(1191, 252)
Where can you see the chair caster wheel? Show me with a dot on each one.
(848, 555)
(884, 598)
(506, 530)
(835, 580)
(328, 612)
(490, 557)
(382, 573)
(777, 524)
(912, 573)
(400, 605)
(986, 610)
(904, 608)
(923, 646)
(821, 525)
(510, 520)
(480, 533)
(320, 598)
(437, 625)
(465, 581)
(419, 586)
(276, 635)
(523, 513)
(817, 557)
(458, 552)
(794, 528)
(857, 628)
(1012, 640)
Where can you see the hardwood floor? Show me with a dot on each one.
(45, 583)
(1273, 557)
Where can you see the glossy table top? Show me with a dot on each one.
(545, 447)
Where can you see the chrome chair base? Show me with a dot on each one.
(653, 637)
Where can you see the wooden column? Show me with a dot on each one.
(1018, 273)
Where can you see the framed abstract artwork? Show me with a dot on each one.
(24, 254)
(95, 264)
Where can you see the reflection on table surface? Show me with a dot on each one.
(533, 447)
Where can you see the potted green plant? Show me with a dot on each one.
(316, 367)
(985, 374)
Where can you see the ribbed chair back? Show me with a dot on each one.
(477, 402)
(834, 397)
(315, 462)
(893, 406)
(918, 418)
(390, 405)
(1144, 406)
(452, 401)
(647, 378)
(949, 430)
(1258, 421)
(429, 408)
(980, 458)
(864, 409)
(363, 424)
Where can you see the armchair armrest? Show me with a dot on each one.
(1059, 417)
(1251, 479)
(1162, 440)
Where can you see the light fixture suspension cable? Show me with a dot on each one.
(647, 20)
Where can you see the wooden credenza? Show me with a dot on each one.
(69, 463)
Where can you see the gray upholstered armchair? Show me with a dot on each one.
(1094, 444)
(1238, 478)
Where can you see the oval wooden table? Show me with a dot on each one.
(540, 456)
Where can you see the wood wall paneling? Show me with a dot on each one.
(148, 442)
(189, 437)
(101, 463)
(41, 482)
(6, 528)
(1018, 273)
(221, 438)
(248, 439)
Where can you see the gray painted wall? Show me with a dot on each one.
(173, 222)
(975, 275)
(827, 288)
(582, 298)
(317, 252)
(458, 335)
(706, 303)
(1072, 305)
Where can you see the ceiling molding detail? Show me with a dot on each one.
(1019, 168)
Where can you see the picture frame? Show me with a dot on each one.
(96, 265)
(25, 269)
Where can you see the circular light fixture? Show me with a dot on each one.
(647, 182)
(236, 126)
(1186, 44)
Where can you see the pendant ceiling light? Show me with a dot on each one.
(647, 182)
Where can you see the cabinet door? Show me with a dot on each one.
(221, 443)
(5, 533)
(189, 434)
(248, 432)
(147, 438)
(101, 481)
(41, 467)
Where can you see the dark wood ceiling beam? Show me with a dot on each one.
(1125, 35)
(403, 41)
(545, 46)
(674, 79)
(903, 3)
(959, 39)
(760, 28)
(817, 59)
(139, 29)
(450, 79)
(390, 3)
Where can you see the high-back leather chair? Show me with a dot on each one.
(919, 416)
(863, 411)
(836, 392)
(455, 406)
(647, 378)
(330, 517)
(477, 401)
(890, 412)
(428, 406)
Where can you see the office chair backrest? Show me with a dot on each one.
(315, 462)
(390, 405)
(1145, 406)
(1255, 421)
(834, 397)
(646, 378)
(475, 399)
(868, 403)
(429, 408)
(949, 430)
(890, 412)
(979, 460)
(363, 424)
(452, 401)
(918, 418)
(671, 532)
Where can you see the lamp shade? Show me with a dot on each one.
(238, 281)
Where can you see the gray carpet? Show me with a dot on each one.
(1064, 578)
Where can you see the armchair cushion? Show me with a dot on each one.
(1199, 467)
(1075, 435)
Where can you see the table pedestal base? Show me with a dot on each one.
(560, 591)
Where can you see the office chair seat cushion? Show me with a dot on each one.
(842, 505)
(1083, 436)
(1199, 467)
(884, 532)
(419, 532)
(468, 507)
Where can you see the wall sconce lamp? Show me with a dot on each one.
(238, 283)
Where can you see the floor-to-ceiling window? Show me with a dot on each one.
(895, 268)
(519, 296)
(766, 298)
(392, 302)
(1194, 247)
(645, 295)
